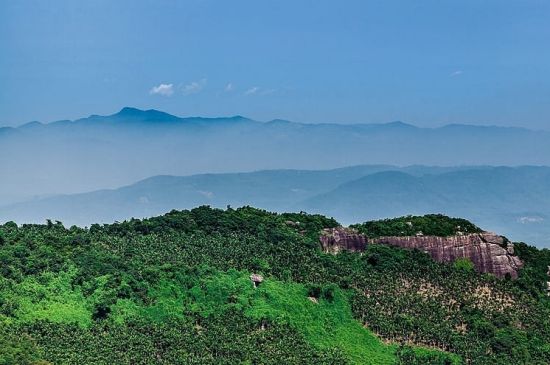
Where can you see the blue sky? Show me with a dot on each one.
(424, 62)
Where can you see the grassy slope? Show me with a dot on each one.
(327, 324)
(175, 274)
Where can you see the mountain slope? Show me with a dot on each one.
(245, 285)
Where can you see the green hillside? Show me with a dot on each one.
(429, 224)
(176, 289)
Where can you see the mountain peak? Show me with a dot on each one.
(149, 115)
(31, 125)
(128, 110)
(131, 111)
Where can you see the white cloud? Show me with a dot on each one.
(456, 73)
(207, 194)
(194, 87)
(252, 90)
(162, 89)
(527, 219)
(229, 87)
(256, 90)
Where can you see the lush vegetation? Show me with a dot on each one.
(430, 225)
(175, 289)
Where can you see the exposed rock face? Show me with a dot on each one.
(333, 240)
(488, 252)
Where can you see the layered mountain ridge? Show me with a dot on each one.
(101, 152)
(512, 201)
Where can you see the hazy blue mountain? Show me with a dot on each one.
(278, 189)
(110, 151)
(512, 201)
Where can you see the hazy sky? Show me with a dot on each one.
(424, 62)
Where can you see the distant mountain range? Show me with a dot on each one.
(512, 201)
(110, 151)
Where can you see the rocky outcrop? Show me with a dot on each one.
(489, 253)
(333, 240)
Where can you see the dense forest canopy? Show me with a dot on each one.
(430, 225)
(176, 289)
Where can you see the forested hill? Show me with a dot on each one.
(176, 289)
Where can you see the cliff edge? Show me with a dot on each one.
(489, 252)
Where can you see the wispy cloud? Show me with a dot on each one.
(256, 90)
(456, 73)
(162, 89)
(252, 90)
(194, 87)
(229, 87)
